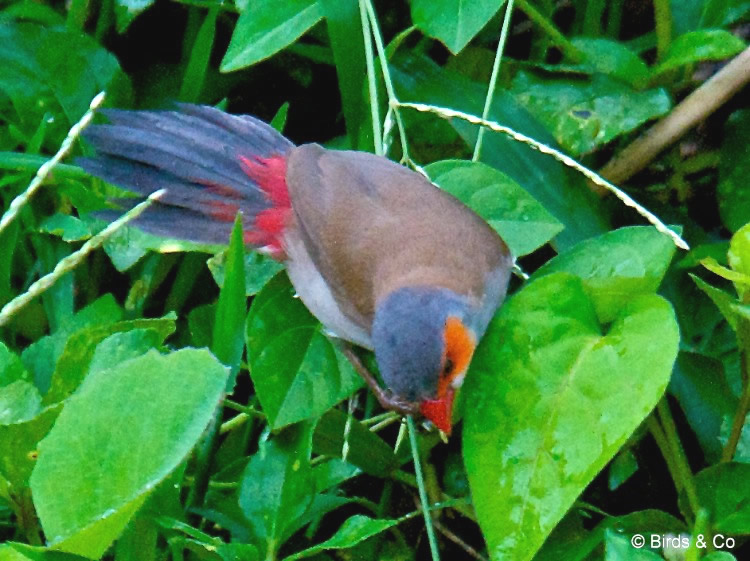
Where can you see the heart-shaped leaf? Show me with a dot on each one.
(553, 397)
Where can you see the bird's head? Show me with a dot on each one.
(423, 345)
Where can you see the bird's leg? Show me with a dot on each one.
(385, 398)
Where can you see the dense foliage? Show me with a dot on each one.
(162, 400)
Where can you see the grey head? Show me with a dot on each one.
(408, 335)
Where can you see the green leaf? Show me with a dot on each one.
(52, 70)
(453, 22)
(355, 530)
(123, 432)
(724, 490)
(617, 266)
(585, 114)
(266, 27)
(622, 467)
(41, 357)
(734, 168)
(297, 372)
(619, 548)
(12, 551)
(564, 195)
(228, 342)
(73, 364)
(18, 444)
(520, 220)
(705, 44)
(545, 369)
(200, 58)
(259, 269)
(727, 304)
(19, 402)
(700, 386)
(277, 486)
(69, 228)
(739, 259)
(11, 367)
(345, 32)
(367, 450)
(719, 556)
(611, 58)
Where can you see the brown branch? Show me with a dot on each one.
(690, 111)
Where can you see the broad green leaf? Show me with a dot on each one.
(53, 70)
(724, 490)
(19, 401)
(228, 342)
(453, 22)
(617, 266)
(700, 386)
(265, 27)
(689, 15)
(40, 358)
(79, 350)
(123, 432)
(719, 556)
(124, 345)
(259, 269)
(695, 46)
(297, 372)
(277, 486)
(345, 31)
(545, 369)
(585, 114)
(734, 169)
(520, 220)
(366, 450)
(127, 10)
(742, 451)
(355, 530)
(613, 59)
(563, 194)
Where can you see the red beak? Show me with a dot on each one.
(439, 411)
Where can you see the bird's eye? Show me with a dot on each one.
(448, 366)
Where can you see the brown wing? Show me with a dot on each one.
(371, 226)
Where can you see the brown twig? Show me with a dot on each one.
(690, 111)
(451, 536)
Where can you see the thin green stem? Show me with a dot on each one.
(421, 488)
(393, 102)
(662, 27)
(681, 463)
(570, 51)
(666, 451)
(700, 528)
(493, 77)
(371, 82)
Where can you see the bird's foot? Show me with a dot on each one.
(386, 399)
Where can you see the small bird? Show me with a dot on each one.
(381, 256)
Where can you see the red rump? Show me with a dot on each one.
(268, 227)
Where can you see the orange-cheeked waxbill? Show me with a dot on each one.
(382, 257)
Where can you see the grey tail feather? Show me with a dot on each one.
(195, 154)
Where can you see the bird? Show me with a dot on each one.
(384, 258)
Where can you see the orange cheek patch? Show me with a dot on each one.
(459, 348)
